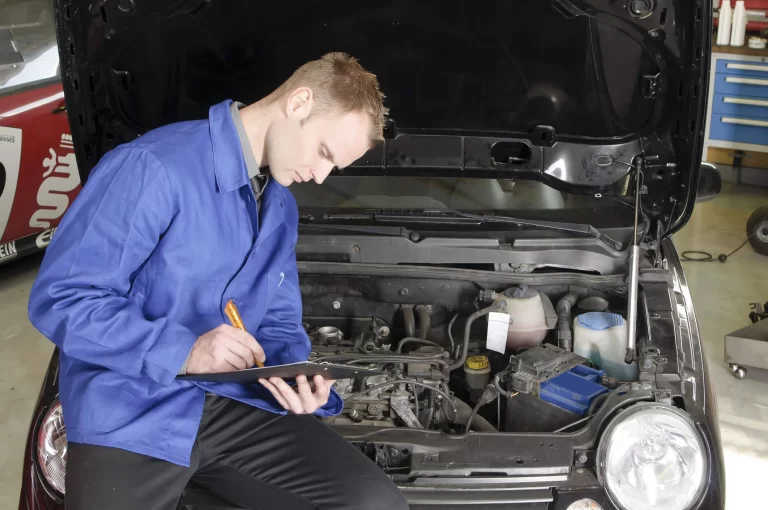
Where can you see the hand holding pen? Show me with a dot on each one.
(225, 348)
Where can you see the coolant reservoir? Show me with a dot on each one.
(528, 310)
(602, 337)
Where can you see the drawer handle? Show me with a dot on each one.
(750, 102)
(747, 67)
(745, 122)
(746, 81)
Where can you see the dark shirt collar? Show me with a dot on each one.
(250, 160)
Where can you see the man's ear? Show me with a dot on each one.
(299, 104)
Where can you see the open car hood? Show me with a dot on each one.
(566, 92)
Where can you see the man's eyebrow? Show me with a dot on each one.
(329, 154)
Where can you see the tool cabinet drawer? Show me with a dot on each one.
(738, 106)
(739, 129)
(741, 86)
(742, 68)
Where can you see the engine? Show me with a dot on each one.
(442, 370)
(413, 392)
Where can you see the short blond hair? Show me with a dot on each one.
(340, 83)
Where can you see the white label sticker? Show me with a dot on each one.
(498, 326)
(10, 159)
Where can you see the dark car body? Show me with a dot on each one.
(565, 98)
(549, 487)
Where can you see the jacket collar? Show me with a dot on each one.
(228, 160)
(231, 170)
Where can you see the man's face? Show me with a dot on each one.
(300, 150)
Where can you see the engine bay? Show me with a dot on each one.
(461, 356)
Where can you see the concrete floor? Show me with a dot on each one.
(721, 294)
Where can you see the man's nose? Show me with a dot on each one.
(321, 173)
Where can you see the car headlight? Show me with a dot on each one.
(652, 457)
(52, 448)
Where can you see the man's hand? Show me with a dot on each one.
(301, 399)
(224, 349)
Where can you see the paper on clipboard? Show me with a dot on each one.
(288, 371)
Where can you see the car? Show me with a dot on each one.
(38, 170)
(504, 257)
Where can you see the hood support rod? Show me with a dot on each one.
(634, 272)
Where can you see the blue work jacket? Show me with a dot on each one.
(163, 233)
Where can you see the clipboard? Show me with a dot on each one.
(287, 372)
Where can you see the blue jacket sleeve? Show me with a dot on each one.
(282, 334)
(81, 298)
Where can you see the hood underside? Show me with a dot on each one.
(569, 93)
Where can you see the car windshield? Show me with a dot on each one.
(529, 199)
(28, 51)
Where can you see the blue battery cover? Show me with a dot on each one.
(574, 390)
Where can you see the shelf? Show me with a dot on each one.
(740, 50)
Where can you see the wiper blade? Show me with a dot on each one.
(441, 215)
(364, 229)
(425, 218)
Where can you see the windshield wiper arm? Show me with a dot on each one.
(449, 217)
(441, 215)
(364, 229)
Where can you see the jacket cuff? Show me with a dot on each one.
(183, 369)
(333, 407)
(169, 353)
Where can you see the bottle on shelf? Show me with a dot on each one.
(739, 28)
(724, 23)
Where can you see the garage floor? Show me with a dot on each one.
(717, 226)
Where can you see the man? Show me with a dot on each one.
(167, 229)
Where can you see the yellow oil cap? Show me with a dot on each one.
(477, 362)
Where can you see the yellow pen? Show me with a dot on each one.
(232, 313)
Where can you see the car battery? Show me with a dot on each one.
(555, 388)
(528, 370)
(574, 390)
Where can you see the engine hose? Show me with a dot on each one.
(564, 332)
(400, 359)
(464, 412)
(381, 358)
(446, 403)
(472, 416)
(409, 322)
(422, 341)
(467, 328)
(425, 321)
(450, 334)
(431, 414)
(416, 404)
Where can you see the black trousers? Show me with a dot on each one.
(253, 458)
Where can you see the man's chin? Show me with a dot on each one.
(283, 180)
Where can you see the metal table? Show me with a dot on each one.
(747, 347)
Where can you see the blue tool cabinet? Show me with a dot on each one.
(738, 103)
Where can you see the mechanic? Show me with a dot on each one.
(167, 229)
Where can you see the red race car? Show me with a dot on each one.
(38, 171)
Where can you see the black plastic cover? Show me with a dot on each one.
(567, 81)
